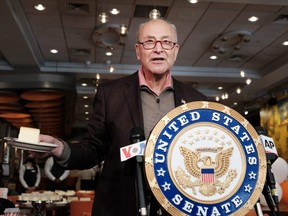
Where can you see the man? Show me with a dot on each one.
(138, 100)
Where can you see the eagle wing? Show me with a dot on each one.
(190, 160)
(222, 162)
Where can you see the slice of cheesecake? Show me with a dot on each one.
(29, 135)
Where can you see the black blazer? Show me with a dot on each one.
(117, 109)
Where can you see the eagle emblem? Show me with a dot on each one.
(206, 170)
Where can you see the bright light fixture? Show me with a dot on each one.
(103, 17)
(39, 7)
(238, 90)
(114, 11)
(248, 81)
(154, 14)
(192, 1)
(111, 69)
(123, 30)
(54, 51)
(253, 19)
(225, 96)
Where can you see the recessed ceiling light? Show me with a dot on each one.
(114, 11)
(238, 90)
(253, 19)
(54, 51)
(220, 87)
(84, 84)
(39, 7)
(213, 57)
(111, 69)
(85, 97)
(248, 81)
(192, 1)
(108, 53)
(235, 103)
(285, 43)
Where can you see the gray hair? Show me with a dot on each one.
(171, 24)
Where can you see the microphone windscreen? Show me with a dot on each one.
(137, 135)
(261, 130)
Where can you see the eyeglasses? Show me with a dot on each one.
(151, 44)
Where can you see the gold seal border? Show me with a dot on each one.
(151, 142)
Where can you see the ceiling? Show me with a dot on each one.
(218, 27)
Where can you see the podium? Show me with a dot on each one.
(204, 158)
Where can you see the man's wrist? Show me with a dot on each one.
(64, 157)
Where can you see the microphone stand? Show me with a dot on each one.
(258, 208)
(271, 181)
(267, 194)
(269, 190)
(140, 186)
(137, 135)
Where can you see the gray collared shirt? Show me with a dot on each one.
(155, 107)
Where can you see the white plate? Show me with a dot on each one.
(39, 147)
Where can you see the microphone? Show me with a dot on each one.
(137, 135)
(271, 156)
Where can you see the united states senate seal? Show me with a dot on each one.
(204, 158)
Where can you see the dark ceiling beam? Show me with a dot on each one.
(125, 69)
(15, 32)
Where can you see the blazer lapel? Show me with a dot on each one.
(133, 100)
(178, 93)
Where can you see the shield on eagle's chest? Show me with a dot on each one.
(207, 175)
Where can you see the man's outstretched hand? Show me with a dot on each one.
(52, 140)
